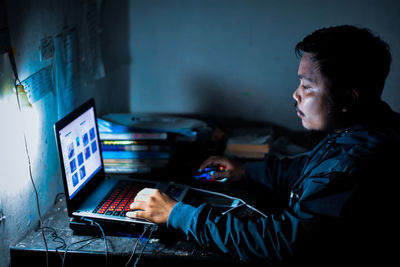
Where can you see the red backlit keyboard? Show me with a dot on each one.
(118, 201)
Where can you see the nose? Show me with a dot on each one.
(296, 95)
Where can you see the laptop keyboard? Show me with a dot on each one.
(118, 201)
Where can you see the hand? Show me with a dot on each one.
(153, 205)
(233, 170)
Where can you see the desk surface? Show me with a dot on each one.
(171, 248)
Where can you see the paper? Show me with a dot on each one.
(91, 59)
(39, 84)
(66, 70)
(173, 124)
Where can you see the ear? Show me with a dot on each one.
(351, 100)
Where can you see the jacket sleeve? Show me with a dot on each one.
(255, 238)
(275, 173)
(270, 238)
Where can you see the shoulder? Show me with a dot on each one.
(363, 145)
(368, 147)
(371, 138)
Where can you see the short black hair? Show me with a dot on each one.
(350, 58)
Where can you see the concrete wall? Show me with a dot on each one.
(29, 22)
(235, 57)
(207, 57)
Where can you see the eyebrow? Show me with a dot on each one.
(303, 77)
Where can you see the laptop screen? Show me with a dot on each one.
(80, 151)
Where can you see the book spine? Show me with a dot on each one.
(134, 155)
(133, 136)
(248, 147)
(144, 163)
(136, 161)
(149, 148)
(133, 142)
(127, 170)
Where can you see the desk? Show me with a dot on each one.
(166, 249)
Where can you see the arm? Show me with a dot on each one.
(251, 238)
(307, 223)
(273, 172)
(273, 238)
(276, 174)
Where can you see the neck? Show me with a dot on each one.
(365, 113)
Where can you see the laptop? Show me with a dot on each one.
(90, 192)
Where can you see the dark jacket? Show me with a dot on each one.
(340, 203)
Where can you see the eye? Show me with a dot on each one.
(306, 87)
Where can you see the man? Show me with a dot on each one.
(339, 199)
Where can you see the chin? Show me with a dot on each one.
(306, 125)
(312, 127)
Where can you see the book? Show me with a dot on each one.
(128, 148)
(259, 148)
(148, 148)
(250, 143)
(133, 136)
(126, 170)
(136, 162)
(133, 165)
(134, 142)
(123, 122)
(134, 155)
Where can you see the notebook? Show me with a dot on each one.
(90, 192)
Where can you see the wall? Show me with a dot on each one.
(208, 57)
(74, 81)
(236, 58)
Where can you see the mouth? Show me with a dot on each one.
(299, 112)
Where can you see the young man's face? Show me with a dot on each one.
(312, 96)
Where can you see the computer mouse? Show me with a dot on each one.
(206, 173)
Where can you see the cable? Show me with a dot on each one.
(136, 244)
(243, 203)
(33, 183)
(152, 229)
(105, 241)
(57, 238)
(216, 193)
(232, 208)
(104, 236)
(81, 241)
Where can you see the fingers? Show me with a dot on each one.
(220, 175)
(142, 199)
(151, 204)
(227, 164)
(138, 205)
(145, 194)
(233, 170)
(136, 214)
(214, 160)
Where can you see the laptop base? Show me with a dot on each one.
(81, 227)
(84, 228)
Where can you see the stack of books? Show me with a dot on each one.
(128, 150)
(249, 143)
